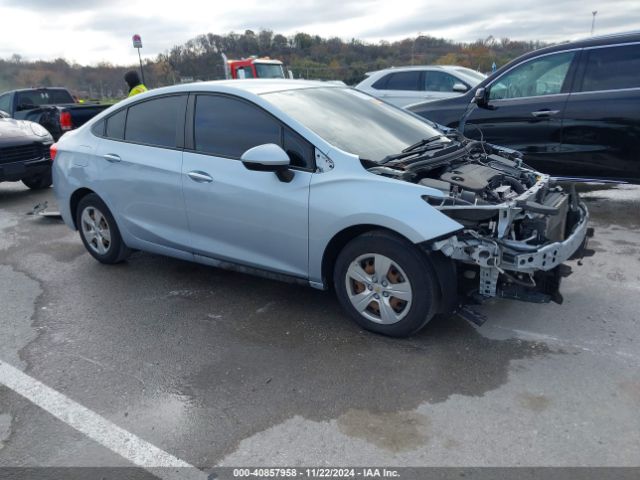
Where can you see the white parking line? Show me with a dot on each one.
(136, 450)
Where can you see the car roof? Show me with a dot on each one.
(597, 41)
(256, 86)
(408, 68)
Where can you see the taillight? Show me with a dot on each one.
(53, 150)
(65, 121)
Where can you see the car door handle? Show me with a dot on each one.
(111, 157)
(545, 113)
(200, 177)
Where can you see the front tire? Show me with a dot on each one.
(386, 284)
(38, 182)
(99, 232)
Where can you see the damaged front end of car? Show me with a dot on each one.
(518, 225)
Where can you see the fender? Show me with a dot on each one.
(349, 196)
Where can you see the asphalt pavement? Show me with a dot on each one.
(214, 368)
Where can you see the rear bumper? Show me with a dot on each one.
(13, 172)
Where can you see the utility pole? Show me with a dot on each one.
(593, 21)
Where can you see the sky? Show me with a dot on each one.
(93, 31)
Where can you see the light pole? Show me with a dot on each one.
(593, 21)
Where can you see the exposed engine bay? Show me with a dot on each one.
(517, 225)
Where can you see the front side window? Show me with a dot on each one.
(229, 127)
(245, 72)
(403, 81)
(439, 82)
(353, 121)
(612, 68)
(541, 76)
(154, 122)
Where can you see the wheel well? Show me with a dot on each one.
(75, 200)
(444, 268)
(337, 243)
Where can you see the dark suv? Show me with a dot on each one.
(573, 109)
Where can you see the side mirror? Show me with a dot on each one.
(481, 97)
(4, 114)
(268, 158)
(459, 87)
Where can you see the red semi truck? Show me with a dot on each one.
(253, 67)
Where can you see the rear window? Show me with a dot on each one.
(43, 97)
(612, 68)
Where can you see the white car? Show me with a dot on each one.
(404, 86)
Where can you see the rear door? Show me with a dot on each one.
(239, 215)
(528, 104)
(601, 127)
(140, 160)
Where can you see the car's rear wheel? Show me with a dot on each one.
(386, 284)
(99, 232)
(38, 182)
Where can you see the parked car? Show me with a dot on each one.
(402, 86)
(53, 108)
(573, 109)
(24, 152)
(278, 177)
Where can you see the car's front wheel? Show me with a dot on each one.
(98, 230)
(386, 284)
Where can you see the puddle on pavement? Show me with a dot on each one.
(393, 431)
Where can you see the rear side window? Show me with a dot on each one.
(115, 125)
(403, 81)
(228, 127)
(155, 122)
(612, 68)
(5, 103)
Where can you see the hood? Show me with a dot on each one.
(12, 130)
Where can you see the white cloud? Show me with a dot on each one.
(92, 31)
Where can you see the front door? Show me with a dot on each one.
(239, 215)
(527, 106)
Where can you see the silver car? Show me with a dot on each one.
(404, 86)
(319, 184)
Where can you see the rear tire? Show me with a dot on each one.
(99, 231)
(386, 284)
(38, 182)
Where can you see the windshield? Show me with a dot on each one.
(44, 97)
(269, 70)
(353, 121)
(472, 73)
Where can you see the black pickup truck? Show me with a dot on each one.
(53, 108)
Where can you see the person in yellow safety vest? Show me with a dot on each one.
(135, 85)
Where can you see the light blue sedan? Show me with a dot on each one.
(320, 184)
